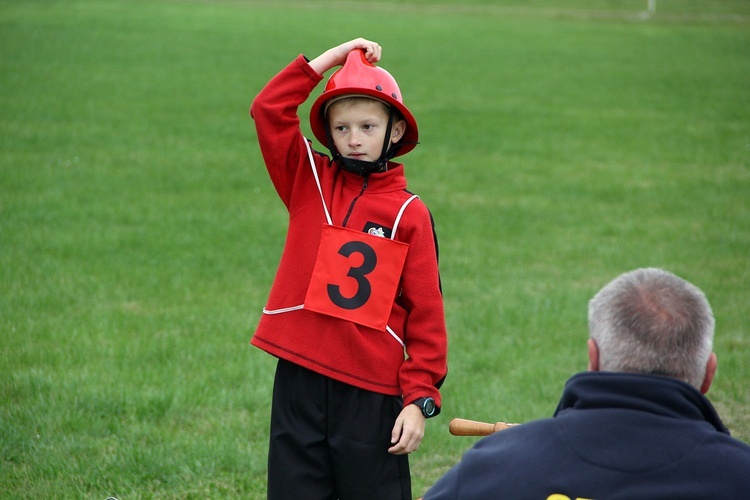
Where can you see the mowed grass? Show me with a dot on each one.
(139, 233)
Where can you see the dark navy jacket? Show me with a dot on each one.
(613, 436)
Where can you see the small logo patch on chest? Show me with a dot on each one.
(377, 230)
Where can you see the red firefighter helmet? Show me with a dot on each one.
(358, 76)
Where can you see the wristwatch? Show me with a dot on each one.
(428, 407)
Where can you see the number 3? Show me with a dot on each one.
(364, 289)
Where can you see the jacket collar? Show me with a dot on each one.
(650, 393)
(392, 179)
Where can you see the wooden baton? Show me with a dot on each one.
(463, 427)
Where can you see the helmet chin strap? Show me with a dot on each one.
(362, 167)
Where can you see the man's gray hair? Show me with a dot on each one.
(651, 321)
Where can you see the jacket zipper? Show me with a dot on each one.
(354, 202)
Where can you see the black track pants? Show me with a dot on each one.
(330, 440)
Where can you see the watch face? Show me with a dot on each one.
(429, 407)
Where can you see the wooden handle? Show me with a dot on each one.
(463, 427)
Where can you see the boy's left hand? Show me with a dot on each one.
(408, 431)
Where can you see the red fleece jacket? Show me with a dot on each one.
(363, 357)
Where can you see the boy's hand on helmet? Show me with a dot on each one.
(372, 49)
(336, 56)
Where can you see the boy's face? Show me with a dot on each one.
(358, 128)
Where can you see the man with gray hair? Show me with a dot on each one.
(636, 425)
(653, 322)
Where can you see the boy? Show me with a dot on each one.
(355, 314)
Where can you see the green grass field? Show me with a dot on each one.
(139, 233)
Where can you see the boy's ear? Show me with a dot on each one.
(398, 130)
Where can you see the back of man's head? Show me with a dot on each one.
(651, 321)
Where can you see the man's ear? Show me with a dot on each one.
(711, 366)
(593, 356)
(398, 130)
